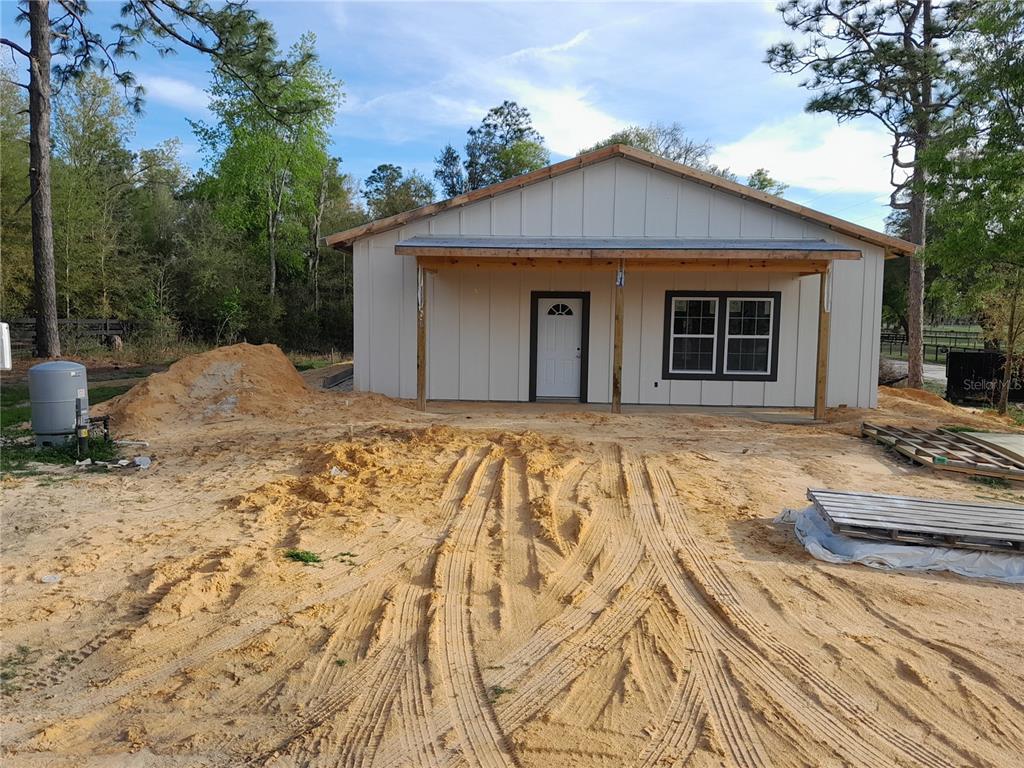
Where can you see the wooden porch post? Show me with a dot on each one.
(421, 339)
(824, 325)
(620, 281)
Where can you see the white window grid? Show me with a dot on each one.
(713, 335)
(770, 335)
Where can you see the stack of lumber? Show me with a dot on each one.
(949, 450)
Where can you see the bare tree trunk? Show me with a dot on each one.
(314, 246)
(1010, 364)
(915, 287)
(273, 216)
(923, 106)
(47, 337)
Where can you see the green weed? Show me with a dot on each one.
(991, 482)
(347, 558)
(498, 690)
(302, 556)
(13, 666)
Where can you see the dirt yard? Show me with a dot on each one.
(498, 586)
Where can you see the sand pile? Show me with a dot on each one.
(240, 379)
(921, 404)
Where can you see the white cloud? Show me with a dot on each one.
(566, 118)
(544, 79)
(175, 92)
(813, 152)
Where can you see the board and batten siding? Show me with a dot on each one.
(478, 324)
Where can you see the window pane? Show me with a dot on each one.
(693, 354)
(694, 316)
(750, 317)
(747, 355)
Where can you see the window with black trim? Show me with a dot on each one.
(748, 335)
(725, 335)
(694, 335)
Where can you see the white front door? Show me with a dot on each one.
(559, 347)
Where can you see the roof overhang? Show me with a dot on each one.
(620, 248)
(892, 246)
(663, 254)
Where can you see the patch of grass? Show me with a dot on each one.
(497, 690)
(99, 394)
(13, 666)
(14, 407)
(302, 556)
(991, 482)
(935, 388)
(16, 456)
(311, 364)
(1016, 413)
(340, 662)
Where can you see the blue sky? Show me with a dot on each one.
(417, 74)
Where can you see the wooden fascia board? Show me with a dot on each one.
(797, 266)
(678, 254)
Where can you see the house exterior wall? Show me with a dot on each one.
(478, 324)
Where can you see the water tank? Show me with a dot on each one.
(55, 388)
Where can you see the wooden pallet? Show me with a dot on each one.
(945, 449)
(881, 517)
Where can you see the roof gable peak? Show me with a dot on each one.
(893, 245)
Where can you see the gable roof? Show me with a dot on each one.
(892, 245)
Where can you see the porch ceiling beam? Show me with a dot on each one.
(798, 266)
(614, 254)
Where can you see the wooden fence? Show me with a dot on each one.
(936, 343)
(23, 329)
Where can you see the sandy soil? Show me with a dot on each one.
(500, 586)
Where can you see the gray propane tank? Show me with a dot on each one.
(55, 389)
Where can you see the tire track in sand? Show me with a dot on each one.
(552, 638)
(679, 730)
(483, 743)
(842, 731)
(368, 715)
(403, 650)
(729, 718)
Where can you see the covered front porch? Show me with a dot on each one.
(621, 258)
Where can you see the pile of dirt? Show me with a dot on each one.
(212, 386)
(917, 396)
(921, 404)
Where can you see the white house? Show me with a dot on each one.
(619, 277)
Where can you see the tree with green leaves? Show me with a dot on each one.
(503, 146)
(976, 180)
(241, 44)
(15, 224)
(92, 171)
(761, 180)
(670, 141)
(887, 60)
(267, 173)
(388, 190)
(448, 172)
